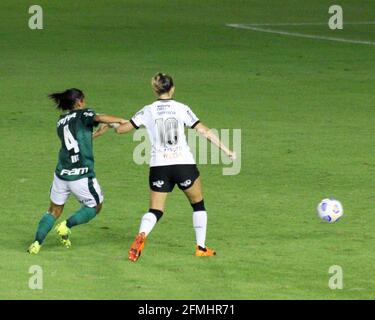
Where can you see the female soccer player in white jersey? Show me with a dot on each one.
(171, 161)
(75, 168)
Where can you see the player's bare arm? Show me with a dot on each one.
(103, 118)
(207, 133)
(107, 121)
(124, 128)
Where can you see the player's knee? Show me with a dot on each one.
(99, 207)
(158, 213)
(198, 206)
(55, 210)
(56, 213)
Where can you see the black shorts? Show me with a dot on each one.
(164, 178)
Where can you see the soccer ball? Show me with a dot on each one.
(330, 210)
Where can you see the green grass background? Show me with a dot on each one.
(306, 110)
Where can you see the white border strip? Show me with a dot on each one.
(253, 27)
(305, 23)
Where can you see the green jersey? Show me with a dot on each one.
(76, 158)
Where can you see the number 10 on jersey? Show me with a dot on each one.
(167, 131)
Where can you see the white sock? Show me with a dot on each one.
(148, 222)
(200, 227)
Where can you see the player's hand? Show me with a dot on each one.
(101, 130)
(114, 125)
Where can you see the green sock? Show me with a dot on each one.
(83, 215)
(45, 226)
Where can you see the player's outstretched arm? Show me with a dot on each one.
(103, 118)
(106, 121)
(124, 127)
(206, 132)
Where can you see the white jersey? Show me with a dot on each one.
(165, 121)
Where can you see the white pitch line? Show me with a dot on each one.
(281, 24)
(296, 34)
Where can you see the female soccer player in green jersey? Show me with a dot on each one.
(75, 168)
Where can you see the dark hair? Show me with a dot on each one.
(67, 100)
(162, 83)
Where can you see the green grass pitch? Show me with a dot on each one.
(306, 110)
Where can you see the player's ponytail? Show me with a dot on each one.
(162, 83)
(67, 100)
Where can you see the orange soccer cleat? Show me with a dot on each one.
(137, 247)
(204, 252)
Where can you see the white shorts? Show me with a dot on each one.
(86, 190)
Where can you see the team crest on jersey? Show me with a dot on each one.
(158, 183)
(185, 183)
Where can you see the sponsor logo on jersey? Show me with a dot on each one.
(66, 119)
(74, 172)
(166, 112)
(158, 183)
(162, 106)
(86, 201)
(185, 183)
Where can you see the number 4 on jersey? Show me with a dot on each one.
(71, 143)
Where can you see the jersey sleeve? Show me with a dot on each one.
(88, 118)
(138, 119)
(190, 119)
